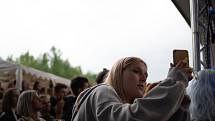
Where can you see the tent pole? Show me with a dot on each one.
(19, 77)
(195, 35)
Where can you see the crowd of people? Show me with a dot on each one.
(40, 104)
(121, 94)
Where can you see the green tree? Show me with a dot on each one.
(53, 63)
(28, 60)
(56, 62)
(43, 63)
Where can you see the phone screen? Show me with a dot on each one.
(179, 55)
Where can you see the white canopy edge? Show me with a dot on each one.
(45, 75)
(7, 67)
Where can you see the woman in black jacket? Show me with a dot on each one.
(9, 105)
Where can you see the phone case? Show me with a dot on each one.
(179, 55)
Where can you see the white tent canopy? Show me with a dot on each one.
(9, 69)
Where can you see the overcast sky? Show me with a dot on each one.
(95, 33)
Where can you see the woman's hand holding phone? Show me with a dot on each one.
(182, 65)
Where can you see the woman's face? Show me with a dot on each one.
(46, 105)
(134, 80)
(36, 103)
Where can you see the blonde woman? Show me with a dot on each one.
(121, 98)
(29, 105)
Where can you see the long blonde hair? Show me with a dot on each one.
(115, 76)
(24, 105)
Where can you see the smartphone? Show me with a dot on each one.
(179, 55)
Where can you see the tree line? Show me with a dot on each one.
(52, 62)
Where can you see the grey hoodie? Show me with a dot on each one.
(160, 104)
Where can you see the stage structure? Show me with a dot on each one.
(200, 16)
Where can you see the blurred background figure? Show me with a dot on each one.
(11, 84)
(9, 105)
(38, 88)
(101, 76)
(57, 101)
(202, 94)
(1, 91)
(1, 88)
(46, 107)
(29, 106)
(25, 85)
(50, 90)
(42, 91)
(78, 84)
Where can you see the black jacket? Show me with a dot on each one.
(9, 116)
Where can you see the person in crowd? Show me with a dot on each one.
(11, 84)
(1, 88)
(57, 102)
(9, 105)
(42, 91)
(25, 85)
(78, 84)
(45, 111)
(37, 87)
(121, 97)
(202, 94)
(29, 105)
(101, 76)
(50, 90)
(1, 91)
